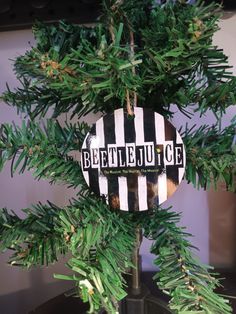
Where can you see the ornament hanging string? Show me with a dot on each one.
(129, 105)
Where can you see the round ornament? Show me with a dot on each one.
(134, 162)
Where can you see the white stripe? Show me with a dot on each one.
(103, 186)
(140, 140)
(123, 193)
(85, 173)
(178, 138)
(162, 188)
(184, 157)
(139, 128)
(85, 141)
(102, 180)
(181, 174)
(181, 170)
(160, 129)
(180, 141)
(86, 177)
(142, 193)
(120, 141)
(100, 132)
(160, 140)
(119, 127)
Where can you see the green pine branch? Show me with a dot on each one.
(101, 252)
(181, 65)
(99, 240)
(174, 62)
(53, 43)
(34, 240)
(35, 100)
(46, 150)
(93, 77)
(182, 276)
(163, 54)
(211, 156)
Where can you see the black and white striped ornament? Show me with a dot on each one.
(134, 162)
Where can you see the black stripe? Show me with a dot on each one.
(113, 191)
(170, 132)
(132, 179)
(130, 135)
(132, 182)
(93, 173)
(149, 125)
(182, 156)
(172, 172)
(109, 129)
(112, 180)
(149, 136)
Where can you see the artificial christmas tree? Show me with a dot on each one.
(139, 54)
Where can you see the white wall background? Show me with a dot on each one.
(21, 290)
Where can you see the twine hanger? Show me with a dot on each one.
(130, 102)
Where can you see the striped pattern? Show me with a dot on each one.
(135, 190)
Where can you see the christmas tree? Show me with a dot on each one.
(139, 53)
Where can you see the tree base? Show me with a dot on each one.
(143, 303)
(152, 303)
(135, 303)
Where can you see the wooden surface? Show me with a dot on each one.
(222, 231)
